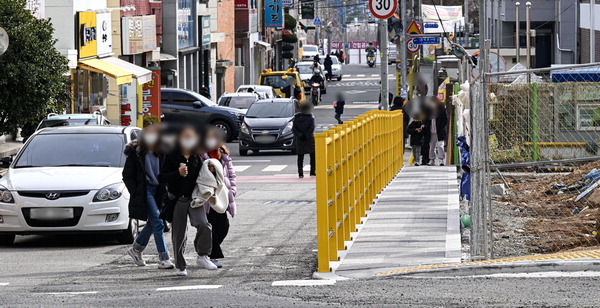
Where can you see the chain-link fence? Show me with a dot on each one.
(542, 169)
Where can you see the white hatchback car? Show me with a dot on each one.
(68, 179)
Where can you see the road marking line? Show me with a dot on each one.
(274, 168)
(3, 284)
(346, 75)
(239, 168)
(71, 293)
(302, 283)
(252, 161)
(374, 75)
(187, 288)
(360, 75)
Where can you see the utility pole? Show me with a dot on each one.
(528, 38)
(384, 64)
(345, 27)
(592, 31)
(517, 30)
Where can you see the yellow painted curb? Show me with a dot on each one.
(592, 254)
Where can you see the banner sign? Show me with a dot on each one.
(149, 33)
(87, 35)
(151, 94)
(104, 34)
(307, 9)
(353, 45)
(441, 94)
(133, 35)
(273, 14)
(287, 3)
(241, 4)
(128, 104)
(445, 12)
(205, 20)
(185, 23)
(426, 40)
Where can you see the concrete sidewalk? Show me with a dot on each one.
(414, 222)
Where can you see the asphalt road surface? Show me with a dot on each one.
(272, 239)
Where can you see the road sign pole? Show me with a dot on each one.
(384, 65)
(402, 44)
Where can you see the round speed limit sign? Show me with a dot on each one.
(383, 9)
(411, 46)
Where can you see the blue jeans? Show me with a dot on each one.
(154, 225)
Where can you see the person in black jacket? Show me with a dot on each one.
(179, 172)
(140, 175)
(328, 63)
(438, 133)
(303, 129)
(338, 107)
(416, 131)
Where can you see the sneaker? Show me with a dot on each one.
(416, 165)
(301, 176)
(136, 256)
(431, 162)
(204, 261)
(217, 263)
(166, 264)
(181, 272)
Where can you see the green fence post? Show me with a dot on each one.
(535, 154)
(455, 129)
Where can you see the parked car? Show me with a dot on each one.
(268, 126)
(336, 67)
(240, 101)
(306, 72)
(185, 106)
(54, 120)
(68, 179)
(309, 52)
(280, 79)
(263, 91)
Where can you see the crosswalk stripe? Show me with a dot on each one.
(274, 168)
(374, 75)
(239, 168)
(187, 288)
(346, 75)
(360, 75)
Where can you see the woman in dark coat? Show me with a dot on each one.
(328, 67)
(140, 175)
(303, 129)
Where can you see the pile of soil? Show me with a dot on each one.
(547, 219)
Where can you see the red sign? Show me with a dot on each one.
(151, 94)
(241, 4)
(353, 45)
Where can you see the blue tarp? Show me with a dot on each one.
(587, 74)
(465, 163)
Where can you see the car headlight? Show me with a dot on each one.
(288, 128)
(108, 193)
(5, 195)
(244, 129)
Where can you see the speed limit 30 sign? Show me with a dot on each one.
(411, 46)
(383, 9)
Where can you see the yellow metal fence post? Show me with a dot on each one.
(323, 229)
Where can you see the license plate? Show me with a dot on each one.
(265, 138)
(51, 213)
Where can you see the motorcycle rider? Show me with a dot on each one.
(317, 78)
(371, 50)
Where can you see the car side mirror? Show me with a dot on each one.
(197, 104)
(6, 161)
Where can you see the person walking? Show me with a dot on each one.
(338, 107)
(416, 131)
(303, 129)
(140, 175)
(214, 145)
(328, 67)
(179, 172)
(438, 135)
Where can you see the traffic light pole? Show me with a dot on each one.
(383, 43)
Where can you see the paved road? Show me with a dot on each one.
(272, 239)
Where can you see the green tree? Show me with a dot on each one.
(33, 78)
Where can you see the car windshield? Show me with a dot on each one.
(304, 69)
(98, 150)
(67, 122)
(270, 110)
(241, 102)
(275, 81)
(310, 48)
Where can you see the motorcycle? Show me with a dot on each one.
(371, 60)
(315, 93)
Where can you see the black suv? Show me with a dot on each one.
(184, 106)
(268, 126)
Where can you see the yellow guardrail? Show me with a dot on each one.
(355, 161)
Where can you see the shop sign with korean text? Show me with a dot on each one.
(273, 14)
(205, 30)
(307, 8)
(132, 35)
(104, 34)
(87, 42)
(151, 94)
(128, 104)
(149, 33)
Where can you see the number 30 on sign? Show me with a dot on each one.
(383, 9)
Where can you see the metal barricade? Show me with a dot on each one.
(355, 161)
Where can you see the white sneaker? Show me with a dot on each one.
(166, 264)
(204, 261)
(181, 273)
(136, 256)
(431, 162)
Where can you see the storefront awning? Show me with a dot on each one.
(96, 65)
(263, 44)
(143, 75)
(167, 57)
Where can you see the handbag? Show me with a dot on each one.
(168, 206)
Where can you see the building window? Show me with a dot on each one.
(588, 116)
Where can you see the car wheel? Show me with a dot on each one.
(225, 127)
(243, 152)
(339, 78)
(7, 239)
(128, 235)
